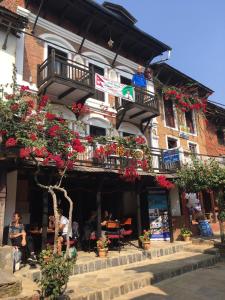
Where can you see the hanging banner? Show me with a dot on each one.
(114, 88)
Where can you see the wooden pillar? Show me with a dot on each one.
(44, 220)
(99, 207)
(2, 203)
(201, 202)
(99, 217)
(185, 211)
(212, 199)
(139, 225)
(170, 217)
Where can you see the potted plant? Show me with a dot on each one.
(55, 272)
(186, 234)
(145, 239)
(102, 246)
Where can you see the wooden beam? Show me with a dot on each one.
(66, 93)
(90, 22)
(137, 114)
(4, 46)
(118, 49)
(118, 122)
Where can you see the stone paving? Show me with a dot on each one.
(129, 270)
(202, 284)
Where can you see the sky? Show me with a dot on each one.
(194, 29)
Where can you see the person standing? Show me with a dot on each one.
(19, 239)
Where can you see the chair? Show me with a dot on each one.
(113, 232)
(92, 237)
(126, 228)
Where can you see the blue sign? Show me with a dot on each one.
(171, 156)
(205, 228)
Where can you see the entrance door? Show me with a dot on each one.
(60, 61)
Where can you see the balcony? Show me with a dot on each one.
(64, 80)
(140, 111)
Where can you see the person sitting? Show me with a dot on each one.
(19, 239)
(106, 217)
(63, 229)
(90, 227)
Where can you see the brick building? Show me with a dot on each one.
(62, 50)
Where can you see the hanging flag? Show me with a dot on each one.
(114, 88)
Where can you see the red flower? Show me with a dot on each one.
(3, 132)
(31, 104)
(25, 152)
(14, 107)
(43, 102)
(24, 88)
(89, 139)
(164, 183)
(58, 160)
(50, 116)
(11, 142)
(70, 165)
(140, 140)
(130, 174)
(53, 130)
(33, 136)
(42, 152)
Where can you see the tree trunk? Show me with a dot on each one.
(70, 217)
(220, 199)
(55, 208)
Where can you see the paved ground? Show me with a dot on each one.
(202, 284)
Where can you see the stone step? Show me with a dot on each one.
(210, 241)
(109, 284)
(9, 285)
(202, 248)
(88, 262)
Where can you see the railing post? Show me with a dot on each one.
(38, 75)
(52, 62)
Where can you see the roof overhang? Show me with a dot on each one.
(171, 76)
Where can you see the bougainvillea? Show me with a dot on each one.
(163, 182)
(186, 98)
(28, 123)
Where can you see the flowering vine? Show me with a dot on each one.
(186, 98)
(164, 183)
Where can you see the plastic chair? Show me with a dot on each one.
(113, 232)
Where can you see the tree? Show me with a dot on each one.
(204, 175)
(43, 137)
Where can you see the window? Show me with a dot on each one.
(60, 59)
(193, 148)
(189, 121)
(169, 113)
(172, 143)
(99, 95)
(220, 136)
(97, 131)
(125, 134)
(125, 80)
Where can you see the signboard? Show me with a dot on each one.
(114, 88)
(158, 216)
(171, 156)
(184, 135)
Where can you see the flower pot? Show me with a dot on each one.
(146, 245)
(186, 238)
(102, 252)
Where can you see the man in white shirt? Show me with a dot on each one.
(63, 229)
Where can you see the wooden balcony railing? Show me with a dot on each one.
(142, 97)
(56, 66)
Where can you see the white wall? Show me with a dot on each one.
(10, 206)
(7, 58)
(175, 202)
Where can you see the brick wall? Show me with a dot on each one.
(198, 139)
(213, 147)
(2, 203)
(12, 4)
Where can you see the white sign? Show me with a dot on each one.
(114, 88)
